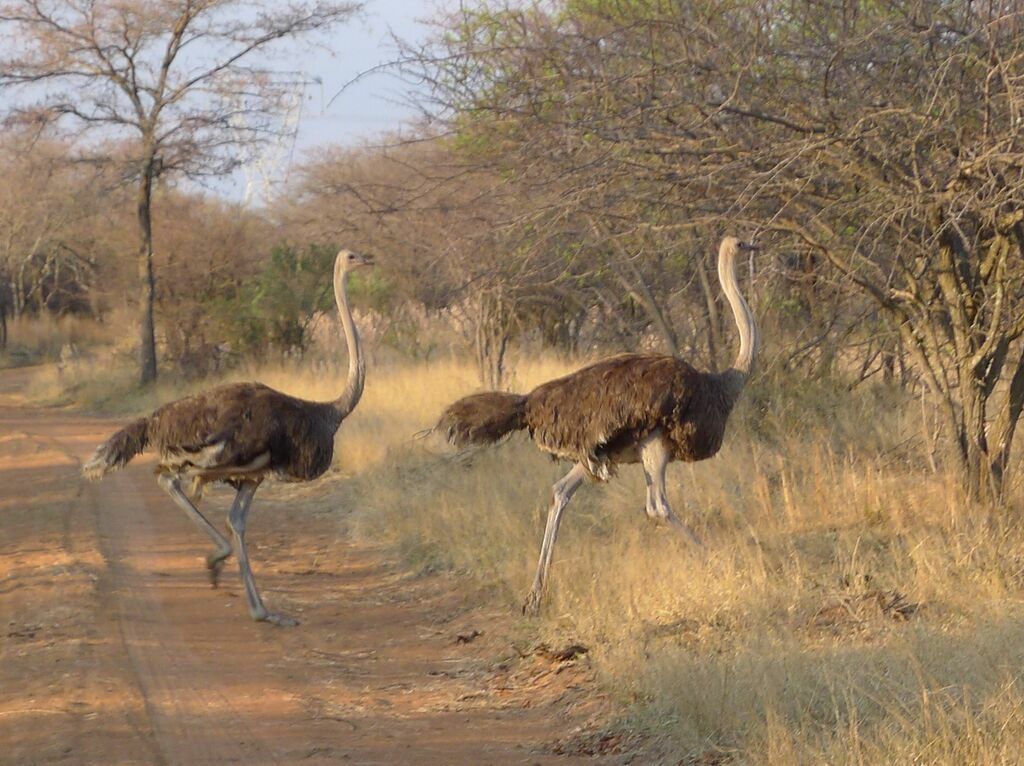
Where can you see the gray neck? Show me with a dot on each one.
(349, 398)
(738, 374)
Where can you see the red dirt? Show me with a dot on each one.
(115, 650)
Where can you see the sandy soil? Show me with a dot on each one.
(114, 649)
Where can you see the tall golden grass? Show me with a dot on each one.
(31, 340)
(850, 607)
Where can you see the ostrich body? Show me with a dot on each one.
(240, 434)
(632, 408)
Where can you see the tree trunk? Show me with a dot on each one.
(19, 291)
(714, 319)
(638, 290)
(1005, 425)
(147, 282)
(982, 482)
(494, 359)
(492, 337)
(972, 462)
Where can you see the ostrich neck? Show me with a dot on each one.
(349, 398)
(749, 339)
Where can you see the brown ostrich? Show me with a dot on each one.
(646, 408)
(240, 434)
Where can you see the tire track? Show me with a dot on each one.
(55, 548)
(193, 722)
(124, 655)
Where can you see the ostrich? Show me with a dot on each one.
(239, 434)
(646, 408)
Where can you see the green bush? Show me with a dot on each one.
(274, 309)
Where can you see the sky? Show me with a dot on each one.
(346, 102)
(366, 108)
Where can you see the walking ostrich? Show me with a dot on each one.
(647, 408)
(240, 434)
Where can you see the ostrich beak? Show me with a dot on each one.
(366, 260)
(749, 246)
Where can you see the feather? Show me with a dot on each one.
(232, 430)
(483, 418)
(116, 451)
(231, 427)
(597, 415)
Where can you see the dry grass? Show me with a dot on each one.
(850, 608)
(31, 340)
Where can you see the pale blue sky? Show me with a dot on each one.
(373, 105)
(376, 104)
(369, 106)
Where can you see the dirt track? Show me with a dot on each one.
(115, 650)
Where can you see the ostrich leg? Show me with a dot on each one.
(656, 458)
(563, 490)
(236, 520)
(215, 559)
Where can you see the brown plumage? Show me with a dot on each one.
(648, 408)
(230, 433)
(240, 434)
(483, 418)
(597, 416)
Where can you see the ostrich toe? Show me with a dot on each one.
(214, 565)
(281, 620)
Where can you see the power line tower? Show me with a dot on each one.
(271, 156)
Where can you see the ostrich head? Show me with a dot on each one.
(735, 244)
(348, 260)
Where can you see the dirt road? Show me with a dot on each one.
(114, 649)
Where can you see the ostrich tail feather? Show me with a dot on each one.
(483, 418)
(116, 451)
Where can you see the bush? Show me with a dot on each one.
(274, 310)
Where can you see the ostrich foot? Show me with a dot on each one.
(214, 565)
(531, 607)
(276, 618)
(686, 532)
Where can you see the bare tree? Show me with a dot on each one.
(529, 91)
(222, 246)
(47, 207)
(168, 87)
(883, 139)
(445, 223)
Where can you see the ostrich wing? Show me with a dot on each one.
(610, 405)
(226, 426)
